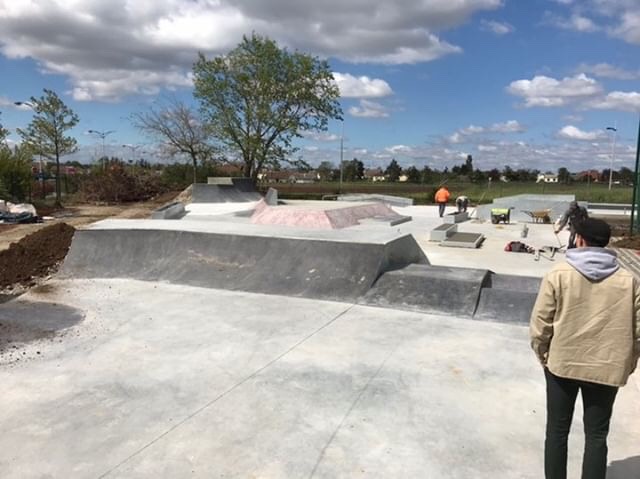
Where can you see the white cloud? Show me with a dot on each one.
(485, 148)
(629, 27)
(112, 48)
(369, 109)
(571, 132)
(617, 100)
(605, 70)
(321, 136)
(461, 135)
(361, 87)
(619, 18)
(575, 22)
(499, 28)
(543, 91)
(511, 126)
(399, 149)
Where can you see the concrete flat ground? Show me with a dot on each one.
(163, 380)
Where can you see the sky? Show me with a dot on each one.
(525, 83)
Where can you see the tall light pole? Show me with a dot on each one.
(42, 183)
(341, 156)
(613, 152)
(133, 149)
(103, 135)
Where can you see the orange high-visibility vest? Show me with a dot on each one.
(442, 195)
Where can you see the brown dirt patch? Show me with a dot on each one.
(630, 242)
(35, 256)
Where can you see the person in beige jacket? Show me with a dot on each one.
(586, 334)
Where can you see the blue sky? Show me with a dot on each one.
(529, 83)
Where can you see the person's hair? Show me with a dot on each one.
(594, 232)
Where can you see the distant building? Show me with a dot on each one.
(374, 174)
(284, 176)
(589, 175)
(547, 178)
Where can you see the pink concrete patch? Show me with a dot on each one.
(319, 218)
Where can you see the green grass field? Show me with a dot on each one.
(423, 194)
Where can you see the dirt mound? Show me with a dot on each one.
(631, 242)
(35, 255)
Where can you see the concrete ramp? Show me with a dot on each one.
(232, 190)
(322, 267)
(507, 298)
(473, 293)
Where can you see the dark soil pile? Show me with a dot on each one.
(631, 242)
(35, 255)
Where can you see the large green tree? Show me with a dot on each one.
(45, 134)
(258, 98)
(393, 170)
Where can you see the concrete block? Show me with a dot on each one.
(507, 299)
(463, 240)
(442, 232)
(271, 198)
(455, 217)
(430, 289)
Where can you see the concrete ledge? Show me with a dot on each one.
(442, 232)
(507, 299)
(455, 217)
(463, 240)
(172, 211)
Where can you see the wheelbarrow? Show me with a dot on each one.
(540, 216)
(500, 214)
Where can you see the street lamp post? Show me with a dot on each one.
(103, 135)
(42, 182)
(133, 149)
(341, 157)
(613, 152)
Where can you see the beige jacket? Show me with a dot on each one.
(585, 329)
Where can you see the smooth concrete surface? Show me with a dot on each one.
(172, 381)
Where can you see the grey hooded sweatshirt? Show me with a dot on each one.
(594, 263)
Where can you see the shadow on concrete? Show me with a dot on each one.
(26, 321)
(628, 468)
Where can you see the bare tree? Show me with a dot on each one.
(178, 128)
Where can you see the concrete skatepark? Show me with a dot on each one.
(211, 346)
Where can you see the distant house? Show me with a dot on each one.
(285, 176)
(375, 174)
(547, 178)
(589, 175)
(403, 178)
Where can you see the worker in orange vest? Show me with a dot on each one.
(442, 197)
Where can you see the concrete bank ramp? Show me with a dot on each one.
(226, 190)
(473, 293)
(239, 257)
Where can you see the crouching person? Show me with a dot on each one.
(585, 332)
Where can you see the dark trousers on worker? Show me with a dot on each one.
(598, 402)
(441, 207)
